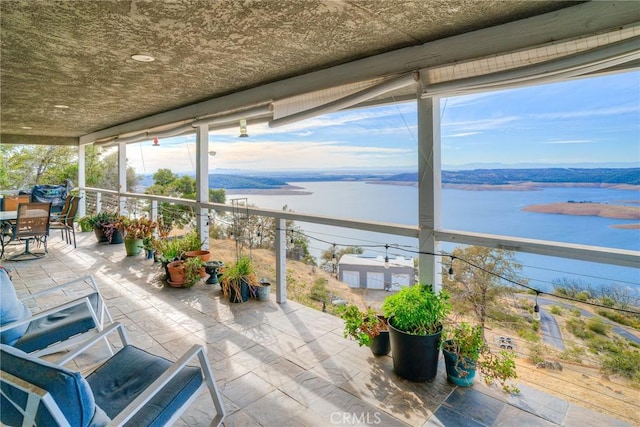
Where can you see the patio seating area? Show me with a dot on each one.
(277, 364)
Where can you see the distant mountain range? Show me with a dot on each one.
(273, 180)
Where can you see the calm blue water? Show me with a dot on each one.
(496, 212)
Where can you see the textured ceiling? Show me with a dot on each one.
(77, 53)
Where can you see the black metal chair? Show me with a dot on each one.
(32, 224)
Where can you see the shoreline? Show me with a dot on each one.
(517, 186)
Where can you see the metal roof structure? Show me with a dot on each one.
(67, 73)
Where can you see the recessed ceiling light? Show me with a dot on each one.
(27, 127)
(60, 106)
(143, 58)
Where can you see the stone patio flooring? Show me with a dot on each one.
(280, 364)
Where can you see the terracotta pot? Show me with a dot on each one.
(204, 255)
(177, 274)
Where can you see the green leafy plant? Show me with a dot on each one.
(362, 326)
(417, 310)
(192, 268)
(173, 248)
(234, 274)
(472, 351)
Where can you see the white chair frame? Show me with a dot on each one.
(38, 396)
(99, 316)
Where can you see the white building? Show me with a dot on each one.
(370, 272)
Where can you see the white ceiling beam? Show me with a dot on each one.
(572, 22)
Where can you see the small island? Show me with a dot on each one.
(590, 209)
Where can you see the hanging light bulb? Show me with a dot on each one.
(334, 260)
(536, 309)
(156, 141)
(451, 272)
(386, 256)
(243, 128)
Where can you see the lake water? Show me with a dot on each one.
(496, 212)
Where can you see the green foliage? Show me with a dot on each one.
(319, 290)
(192, 268)
(626, 364)
(170, 249)
(362, 326)
(596, 325)
(621, 318)
(556, 309)
(417, 310)
(327, 256)
(529, 333)
(464, 340)
(575, 311)
(499, 368)
(578, 327)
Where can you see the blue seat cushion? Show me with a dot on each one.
(11, 310)
(68, 389)
(128, 373)
(57, 327)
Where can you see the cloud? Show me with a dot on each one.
(479, 125)
(461, 134)
(569, 141)
(613, 111)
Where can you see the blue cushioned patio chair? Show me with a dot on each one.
(55, 329)
(132, 388)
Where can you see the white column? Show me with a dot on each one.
(202, 182)
(122, 176)
(281, 260)
(82, 181)
(429, 189)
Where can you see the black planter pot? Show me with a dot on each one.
(415, 357)
(461, 375)
(116, 238)
(380, 346)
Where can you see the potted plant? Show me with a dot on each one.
(86, 223)
(170, 249)
(100, 222)
(135, 230)
(366, 328)
(148, 244)
(185, 274)
(466, 351)
(238, 279)
(415, 316)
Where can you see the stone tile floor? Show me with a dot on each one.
(279, 364)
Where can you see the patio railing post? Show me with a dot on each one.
(281, 260)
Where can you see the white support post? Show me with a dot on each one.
(122, 176)
(202, 182)
(82, 181)
(154, 210)
(281, 260)
(98, 202)
(429, 190)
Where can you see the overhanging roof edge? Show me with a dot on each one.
(575, 21)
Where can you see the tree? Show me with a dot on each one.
(327, 256)
(167, 183)
(27, 165)
(478, 287)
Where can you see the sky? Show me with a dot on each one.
(593, 122)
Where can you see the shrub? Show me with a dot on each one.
(625, 364)
(596, 325)
(578, 327)
(556, 309)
